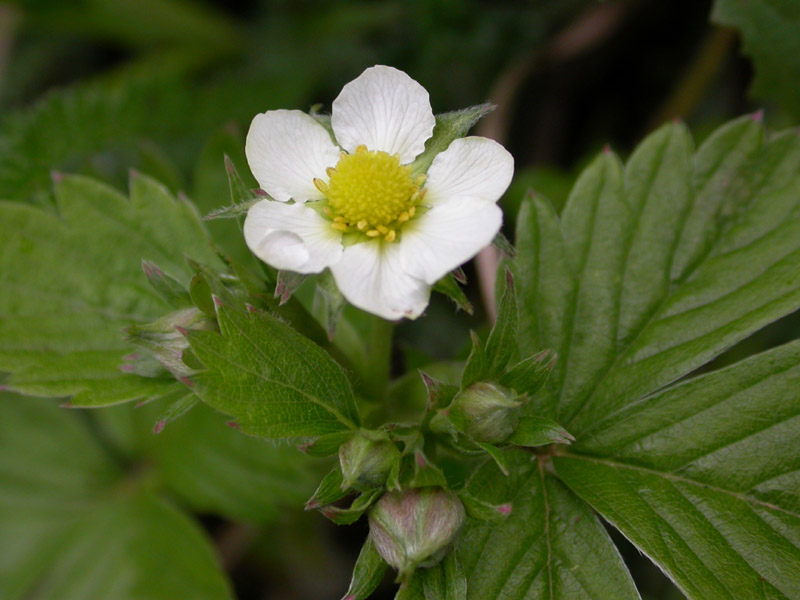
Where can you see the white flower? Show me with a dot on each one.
(385, 235)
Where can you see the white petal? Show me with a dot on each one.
(447, 236)
(384, 109)
(291, 237)
(369, 275)
(471, 167)
(286, 150)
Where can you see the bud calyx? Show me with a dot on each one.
(487, 412)
(366, 462)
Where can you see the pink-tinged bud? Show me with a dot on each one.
(366, 462)
(415, 527)
(166, 338)
(487, 412)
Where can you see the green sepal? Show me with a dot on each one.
(328, 302)
(232, 211)
(176, 409)
(539, 431)
(439, 393)
(449, 126)
(502, 341)
(287, 284)
(348, 516)
(498, 456)
(530, 374)
(167, 287)
(477, 363)
(502, 243)
(368, 573)
(418, 471)
(329, 490)
(448, 285)
(482, 510)
(240, 192)
(326, 445)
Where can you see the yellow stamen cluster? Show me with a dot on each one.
(370, 191)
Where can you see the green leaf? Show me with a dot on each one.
(243, 478)
(539, 431)
(74, 280)
(449, 126)
(63, 508)
(275, 382)
(711, 467)
(713, 542)
(502, 341)
(550, 546)
(709, 256)
(770, 30)
(367, 574)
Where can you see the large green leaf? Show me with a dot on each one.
(71, 526)
(705, 478)
(710, 256)
(274, 381)
(73, 280)
(771, 38)
(700, 475)
(550, 546)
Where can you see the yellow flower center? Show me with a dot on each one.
(370, 191)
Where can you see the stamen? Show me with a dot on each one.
(371, 192)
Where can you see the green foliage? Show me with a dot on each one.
(653, 270)
(72, 287)
(69, 519)
(549, 546)
(771, 37)
(718, 456)
(274, 381)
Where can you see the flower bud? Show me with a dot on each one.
(165, 338)
(487, 412)
(366, 462)
(414, 527)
